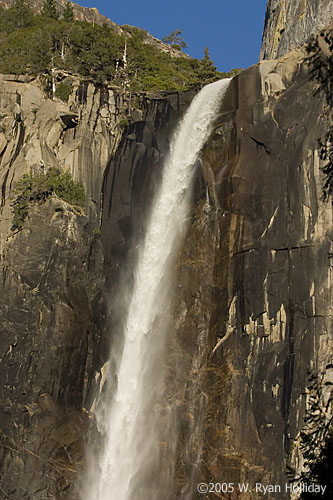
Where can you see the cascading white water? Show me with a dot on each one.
(129, 420)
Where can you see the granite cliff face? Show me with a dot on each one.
(289, 24)
(50, 282)
(254, 284)
(252, 298)
(54, 272)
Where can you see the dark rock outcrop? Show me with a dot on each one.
(290, 23)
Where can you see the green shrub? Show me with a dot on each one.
(63, 91)
(123, 122)
(31, 188)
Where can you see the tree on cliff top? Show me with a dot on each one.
(175, 38)
(50, 9)
(207, 69)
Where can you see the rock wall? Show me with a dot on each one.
(51, 282)
(253, 299)
(56, 271)
(289, 24)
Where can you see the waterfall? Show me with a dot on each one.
(127, 465)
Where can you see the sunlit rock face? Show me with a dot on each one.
(51, 281)
(253, 298)
(290, 23)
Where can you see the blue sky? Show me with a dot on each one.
(231, 29)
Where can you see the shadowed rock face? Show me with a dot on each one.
(289, 24)
(252, 300)
(47, 327)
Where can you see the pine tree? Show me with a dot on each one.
(175, 38)
(68, 13)
(207, 69)
(50, 9)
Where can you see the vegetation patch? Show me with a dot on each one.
(2, 124)
(36, 188)
(38, 44)
(123, 122)
(63, 91)
(316, 440)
